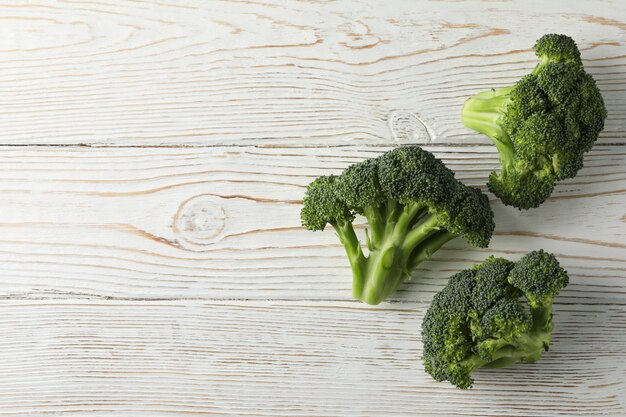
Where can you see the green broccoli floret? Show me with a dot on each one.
(479, 321)
(413, 205)
(542, 125)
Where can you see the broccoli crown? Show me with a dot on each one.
(359, 186)
(409, 176)
(322, 204)
(507, 319)
(542, 125)
(491, 284)
(539, 276)
(520, 190)
(412, 174)
(478, 319)
(558, 48)
(413, 205)
(445, 331)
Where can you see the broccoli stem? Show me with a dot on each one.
(410, 236)
(376, 220)
(385, 268)
(357, 260)
(418, 233)
(402, 237)
(482, 112)
(425, 250)
(544, 61)
(542, 317)
(526, 348)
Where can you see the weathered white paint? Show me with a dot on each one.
(218, 223)
(272, 358)
(278, 71)
(162, 270)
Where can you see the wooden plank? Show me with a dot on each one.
(90, 358)
(294, 73)
(223, 223)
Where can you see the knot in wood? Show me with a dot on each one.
(200, 220)
(407, 127)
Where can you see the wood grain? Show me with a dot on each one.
(294, 73)
(274, 359)
(153, 156)
(221, 223)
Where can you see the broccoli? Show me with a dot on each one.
(413, 205)
(479, 321)
(542, 125)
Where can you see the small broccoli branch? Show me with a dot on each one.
(483, 112)
(425, 250)
(376, 220)
(351, 244)
(527, 348)
(542, 322)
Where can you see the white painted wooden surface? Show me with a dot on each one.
(152, 160)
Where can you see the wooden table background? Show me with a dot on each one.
(153, 157)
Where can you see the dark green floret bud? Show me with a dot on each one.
(322, 204)
(411, 174)
(359, 186)
(539, 276)
(519, 189)
(557, 48)
(492, 285)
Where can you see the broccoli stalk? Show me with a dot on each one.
(413, 206)
(400, 238)
(526, 348)
(478, 321)
(482, 112)
(542, 125)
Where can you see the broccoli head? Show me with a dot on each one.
(479, 320)
(542, 125)
(413, 205)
